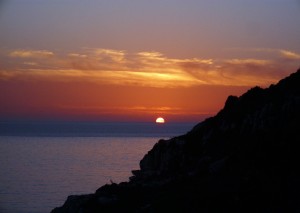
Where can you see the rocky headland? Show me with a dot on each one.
(244, 159)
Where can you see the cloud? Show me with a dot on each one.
(30, 63)
(150, 69)
(114, 55)
(151, 55)
(7, 75)
(31, 53)
(248, 62)
(166, 110)
(96, 59)
(290, 55)
(76, 55)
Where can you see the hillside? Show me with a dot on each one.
(244, 159)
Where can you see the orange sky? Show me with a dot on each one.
(111, 85)
(92, 101)
(129, 60)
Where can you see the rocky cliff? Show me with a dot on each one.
(244, 159)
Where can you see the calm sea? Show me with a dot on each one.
(41, 163)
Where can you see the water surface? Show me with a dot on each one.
(38, 173)
(41, 163)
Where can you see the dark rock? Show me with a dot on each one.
(244, 159)
(74, 203)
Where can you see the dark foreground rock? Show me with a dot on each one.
(244, 159)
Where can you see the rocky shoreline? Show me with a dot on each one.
(244, 159)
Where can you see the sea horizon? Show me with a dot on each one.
(37, 128)
(53, 157)
(45, 161)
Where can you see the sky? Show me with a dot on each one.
(135, 60)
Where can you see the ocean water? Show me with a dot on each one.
(42, 163)
(92, 129)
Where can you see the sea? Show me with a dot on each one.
(42, 163)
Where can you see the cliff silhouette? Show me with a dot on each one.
(244, 159)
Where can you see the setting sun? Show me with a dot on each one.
(160, 120)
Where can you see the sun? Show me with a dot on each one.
(160, 120)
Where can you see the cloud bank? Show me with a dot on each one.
(150, 69)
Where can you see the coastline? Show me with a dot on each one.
(244, 159)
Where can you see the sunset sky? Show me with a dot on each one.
(135, 60)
